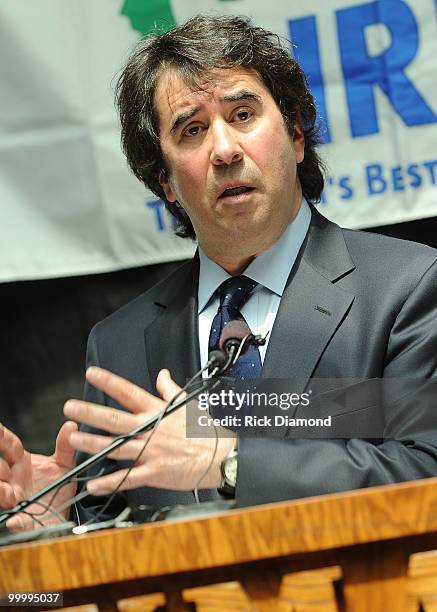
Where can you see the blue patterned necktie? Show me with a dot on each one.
(234, 293)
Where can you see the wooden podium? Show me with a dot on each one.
(349, 551)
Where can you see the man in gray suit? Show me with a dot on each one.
(217, 120)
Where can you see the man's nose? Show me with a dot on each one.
(225, 147)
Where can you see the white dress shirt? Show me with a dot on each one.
(270, 270)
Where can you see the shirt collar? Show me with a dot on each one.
(270, 269)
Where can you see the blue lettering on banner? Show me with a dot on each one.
(431, 165)
(161, 218)
(417, 179)
(362, 72)
(380, 178)
(346, 189)
(399, 178)
(303, 34)
(375, 182)
(341, 185)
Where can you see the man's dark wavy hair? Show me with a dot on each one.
(194, 49)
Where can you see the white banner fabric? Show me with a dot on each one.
(70, 206)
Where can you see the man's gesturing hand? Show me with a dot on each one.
(170, 461)
(22, 474)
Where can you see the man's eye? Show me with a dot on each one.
(191, 131)
(243, 115)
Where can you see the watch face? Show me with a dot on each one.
(230, 470)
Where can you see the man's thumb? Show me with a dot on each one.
(166, 386)
(64, 452)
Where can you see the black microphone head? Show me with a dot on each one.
(217, 359)
(233, 333)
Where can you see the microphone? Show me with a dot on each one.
(233, 335)
(216, 362)
(235, 339)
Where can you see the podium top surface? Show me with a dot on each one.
(237, 536)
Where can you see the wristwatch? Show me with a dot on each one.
(228, 469)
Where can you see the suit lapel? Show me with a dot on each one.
(312, 307)
(172, 337)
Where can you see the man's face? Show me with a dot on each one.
(231, 160)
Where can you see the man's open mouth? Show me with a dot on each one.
(235, 191)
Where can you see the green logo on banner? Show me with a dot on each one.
(146, 15)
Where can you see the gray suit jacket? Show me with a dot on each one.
(356, 305)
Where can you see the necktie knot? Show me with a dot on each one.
(235, 291)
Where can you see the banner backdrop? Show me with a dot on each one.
(68, 202)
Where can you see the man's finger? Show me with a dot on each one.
(108, 419)
(20, 522)
(132, 479)
(127, 394)
(8, 498)
(93, 443)
(64, 451)
(5, 470)
(166, 386)
(11, 448)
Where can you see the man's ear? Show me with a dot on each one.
(298, 137)
(165, 184)
(298, 140)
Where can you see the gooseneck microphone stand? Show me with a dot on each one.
(218, 362)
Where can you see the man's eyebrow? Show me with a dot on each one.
(241, 95)
(184, 116)
(237, 96)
